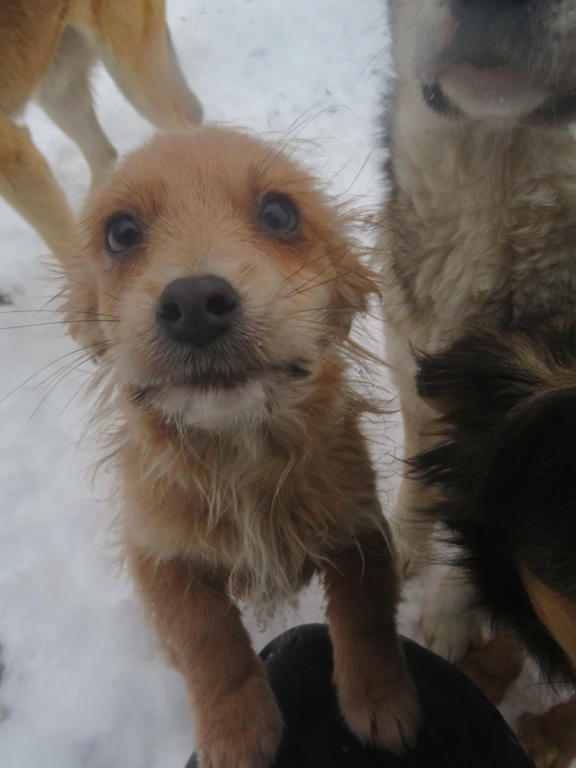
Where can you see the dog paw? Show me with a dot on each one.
(242, 730)
(386, 716)
(451, 628)
(541, 746)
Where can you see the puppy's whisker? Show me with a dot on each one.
(67, 370)
(87, 381)
(56, 322)
(94, 312)
(303, 266)
(83, 284)
(284, 145)
(50, 311)
(307, 322)
(340, 308)
(68, 366)
(300, 288)
(310, 285)
(44, 367)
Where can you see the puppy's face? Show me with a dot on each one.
(503, 60)
(222, 276)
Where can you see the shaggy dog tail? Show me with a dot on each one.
(504, 469)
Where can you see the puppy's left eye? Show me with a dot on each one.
(123, 233)
(278, 216)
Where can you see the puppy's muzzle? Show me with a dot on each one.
(198, 310)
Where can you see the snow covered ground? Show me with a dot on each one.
(83, 684)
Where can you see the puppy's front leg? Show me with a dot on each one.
(377, 696)
(238, 722)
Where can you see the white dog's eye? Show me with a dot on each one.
(278, 216)
(123, 233)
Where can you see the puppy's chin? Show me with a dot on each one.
(213, 408)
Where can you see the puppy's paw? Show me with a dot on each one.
(242, 729)
(540, 744)
(450, 626)
(386, 715)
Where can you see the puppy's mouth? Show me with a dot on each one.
(177, 395)
(497, 92)
(139, 394)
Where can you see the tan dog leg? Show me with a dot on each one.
(377, 697)
(27, 183)
(138, 52)
(238, 722)
(65, 96)
(496, 665)
(550, 738)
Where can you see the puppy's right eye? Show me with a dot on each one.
(123, 234)
(278, 216)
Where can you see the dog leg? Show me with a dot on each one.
(494, 666)
(27, 183)
(377, 697)
(451, 626)
(412, 530)
(139, 54)
(550, 738)
(238, 722)
(65, 95)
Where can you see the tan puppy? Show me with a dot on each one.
(47, 50)
(225, 284)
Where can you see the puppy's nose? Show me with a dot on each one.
(197, 310)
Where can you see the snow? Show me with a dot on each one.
(83, 683)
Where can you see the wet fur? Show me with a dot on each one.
(247, 501)
(47, 51)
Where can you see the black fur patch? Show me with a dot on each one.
(505, 469)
